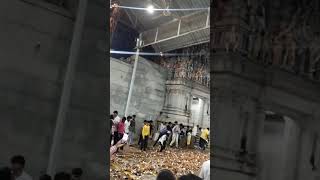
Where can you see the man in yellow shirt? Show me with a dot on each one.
(204, 138)
(145, 135)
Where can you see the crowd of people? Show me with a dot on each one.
(173, 134)
(17, 172)
(123, 131)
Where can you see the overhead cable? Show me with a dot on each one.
(154, 54)
(157, 9)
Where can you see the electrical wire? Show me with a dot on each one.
(156, 9)
(153, 54)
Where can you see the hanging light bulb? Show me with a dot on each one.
(150, 9)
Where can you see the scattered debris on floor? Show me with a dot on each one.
(137, 165)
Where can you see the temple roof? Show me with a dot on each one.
(166, 31)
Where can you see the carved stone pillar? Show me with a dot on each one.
(291, 147)
(189, 106)
(229, 114)
(255, 137)
(203, 114)
(176, 105)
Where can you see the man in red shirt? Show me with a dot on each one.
(121, 129)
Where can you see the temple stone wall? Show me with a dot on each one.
(148, 92)
(34, 46)
(241, 100)
(273, 136)
(85, 127)
(35, 40)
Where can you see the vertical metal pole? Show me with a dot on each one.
(156, 37)
(67, 86)
(139, 42)
(179, 26)
(208, 18)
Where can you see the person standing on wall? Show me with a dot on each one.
(175, 135)
(145, 135)
(132, 130)
(116, 121)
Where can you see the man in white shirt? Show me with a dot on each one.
(116, 118)
(116, 121)
(205, 171)
(127, 124)
(163, 141)
(194, 133)
(17, 166)
(162, 126)
(175, 135)
(195, 130)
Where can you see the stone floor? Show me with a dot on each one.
(137, 165)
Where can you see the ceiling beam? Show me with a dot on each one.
(176, 36)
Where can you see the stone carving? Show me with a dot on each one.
(258, 35)
(257, 45)
(290, 49)
(183, 68)
(292, 41)
(289, 43)
(231, 40)
(191, 65)
(277, 49)
(266, 49)
(115, 14)
(220, 8)
(313, 41)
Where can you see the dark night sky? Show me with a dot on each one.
(124, 39)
